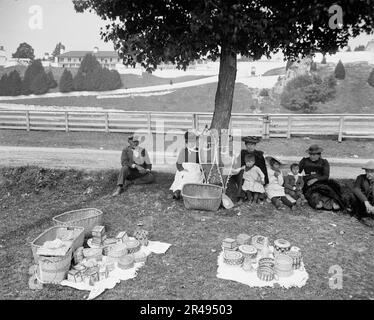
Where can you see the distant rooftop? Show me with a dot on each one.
(100, 54)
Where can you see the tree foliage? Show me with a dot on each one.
(340, 71)
(24, 51)
(51, 80)
(66, 82)
(57, 51)
(150, 32)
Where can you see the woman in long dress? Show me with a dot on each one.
(320, 191)
(188, 166)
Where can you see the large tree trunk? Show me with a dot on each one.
(225, 90)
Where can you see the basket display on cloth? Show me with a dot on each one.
(202, 196)
(86, 218)
(53, 233)
(53, 269)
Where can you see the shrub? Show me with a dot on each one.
(40, 84)
(340, 71)
(66, 81)
(303, 92)
(4, 85)
(51, 80)
(92, 77)
(31, 73)
(264, 93)
(371, 78)
(14, 83)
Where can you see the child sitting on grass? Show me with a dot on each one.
(274, 189)
(254, 179)
(294, 183)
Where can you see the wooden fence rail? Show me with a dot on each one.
(342, 126)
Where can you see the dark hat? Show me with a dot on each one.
(314, 149)
(271, 160)
(369, 165)
(251, 139)
(132, 138)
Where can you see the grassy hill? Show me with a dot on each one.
(199, 98)
(128, 80)
(353, 95)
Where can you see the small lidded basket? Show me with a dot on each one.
(295, 254)
(142, 237)
(281, 246)
(233, 258)
(248, 251)
(132, 245)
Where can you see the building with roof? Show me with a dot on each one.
(3, 56)
(73, 59)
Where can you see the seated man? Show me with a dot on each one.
(364, 191)
(136, 167)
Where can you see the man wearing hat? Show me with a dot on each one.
(364, 191)
(136, 166)
(250, 148)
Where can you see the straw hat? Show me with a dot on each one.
(369, 165)
(314, 149)
(271, 160)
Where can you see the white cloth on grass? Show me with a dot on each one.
(236, 273)
(118, 275)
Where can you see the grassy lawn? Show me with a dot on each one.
(30, 197)
(116, 141)
(199, 98)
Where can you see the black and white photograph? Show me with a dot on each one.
(206, 151)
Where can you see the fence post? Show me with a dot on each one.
(149, 125)
(66, 121)
(341, 128)
(27, 120)
(106, 121)
(266, 127)
(194, 121)
(289, 127)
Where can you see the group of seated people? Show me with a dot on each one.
(256, 178)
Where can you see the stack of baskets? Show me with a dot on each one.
(199, 196)
(53, 269)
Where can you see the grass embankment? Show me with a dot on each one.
(30, 197)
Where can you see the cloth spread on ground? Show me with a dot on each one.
(118, 275)
(236, 273)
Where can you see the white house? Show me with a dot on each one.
(3, 56)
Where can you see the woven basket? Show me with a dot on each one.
(86, 218)
(51, 234)
(202, 196)
(54, 269)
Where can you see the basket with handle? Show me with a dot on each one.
(53, 233)
(53, 269)
(87, 218)
(202, 196)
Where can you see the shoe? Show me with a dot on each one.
(368, 222)
(117, 192)
(177, 195)
(335, 206)
(319, 205)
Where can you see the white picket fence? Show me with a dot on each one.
(266, 125)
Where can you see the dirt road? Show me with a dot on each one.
(91, 159)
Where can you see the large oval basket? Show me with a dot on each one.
(202, 196)
(53, 233)
(86, 218)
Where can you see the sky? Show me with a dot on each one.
(44, 23)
